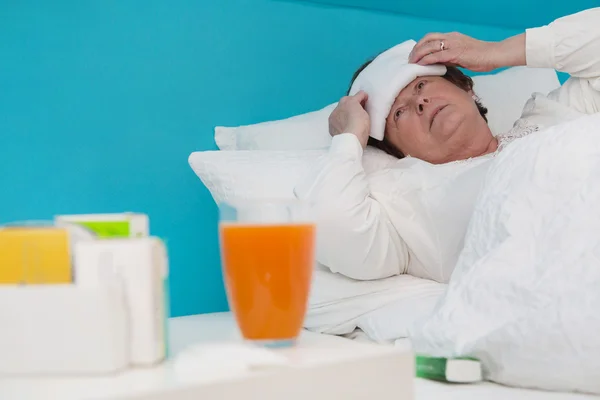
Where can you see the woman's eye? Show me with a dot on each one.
(420, 85)
(399, 113)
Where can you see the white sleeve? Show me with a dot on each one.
(570, 44)
(355, 235)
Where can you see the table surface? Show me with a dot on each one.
(184, 333)
(220, 327)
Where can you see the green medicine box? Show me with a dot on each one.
(109, 226)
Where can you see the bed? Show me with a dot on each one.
(270, 158)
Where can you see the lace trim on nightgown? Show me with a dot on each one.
(519, 130)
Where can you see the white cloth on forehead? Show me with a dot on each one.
(384, 78)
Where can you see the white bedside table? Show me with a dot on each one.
(320, 367)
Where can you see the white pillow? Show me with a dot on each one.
(504, 94)
(337, 304)
(264, 174)
(302, 132)
(252, 174)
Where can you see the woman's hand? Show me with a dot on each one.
(350, 117)
(463, 51)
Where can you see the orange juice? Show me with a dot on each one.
(268, 271)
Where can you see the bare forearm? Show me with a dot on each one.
(569, 44)
(511, 52)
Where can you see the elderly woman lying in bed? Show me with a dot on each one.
(426, 113)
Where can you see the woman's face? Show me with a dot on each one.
(436, 121)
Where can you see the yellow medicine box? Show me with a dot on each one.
(34, 255)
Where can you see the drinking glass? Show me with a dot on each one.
(267, 253)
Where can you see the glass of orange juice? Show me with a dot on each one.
(267, 253)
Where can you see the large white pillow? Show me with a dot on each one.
(337, 304)
(301, 132)
(252, 174)
(504, 94)
(263, 174)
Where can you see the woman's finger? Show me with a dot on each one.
(440, 57)
(426, 49)
(431, 36)
(361, 96)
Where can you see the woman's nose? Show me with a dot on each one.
(421, 104)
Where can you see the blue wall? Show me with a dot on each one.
(101, 103)
(504, 13)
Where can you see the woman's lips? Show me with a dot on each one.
(435, 113)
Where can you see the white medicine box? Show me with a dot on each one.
(142, 266)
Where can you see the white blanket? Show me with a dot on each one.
(384, 309)
(525, 295)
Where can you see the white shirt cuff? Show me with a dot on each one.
(539, 45)
(346, 143)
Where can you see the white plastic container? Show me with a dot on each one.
(63, 329)
(142, 265)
